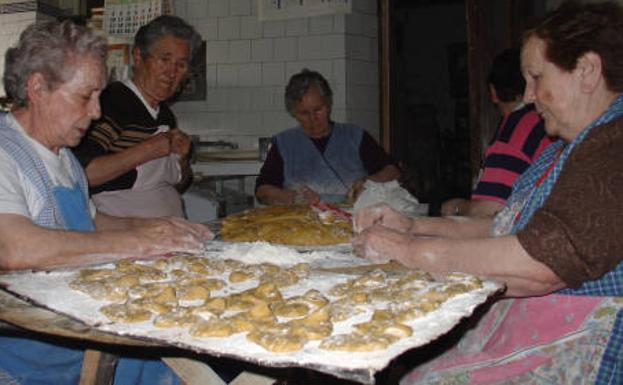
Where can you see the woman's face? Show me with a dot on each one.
(555, 93)
(158, 75)
(312, 113)
(63, 115)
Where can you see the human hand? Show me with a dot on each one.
(180, 142)
(169, 234)
(452, 207)
(305, 194)
(156, 146)
(380, 244)
(356, 189)
(380, 214)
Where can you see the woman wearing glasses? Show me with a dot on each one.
(135, 157)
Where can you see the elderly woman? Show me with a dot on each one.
(319, 159)
(556, 242)
(54, 76)
(136, 159)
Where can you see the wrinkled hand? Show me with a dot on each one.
(168, 234)
(156, 147)
(380, 214)
(180, 142)
(356, 189)
(305, 194)
(381, 244)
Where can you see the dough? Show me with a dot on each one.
(290, 225)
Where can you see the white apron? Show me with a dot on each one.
(153, 193)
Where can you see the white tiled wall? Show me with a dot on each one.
(249, 63)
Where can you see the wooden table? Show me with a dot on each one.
(98, 367)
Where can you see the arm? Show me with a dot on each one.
(107, 167)
(273, 195)
(24, 245)
(477, 208)
(451, 227)
(502, 259)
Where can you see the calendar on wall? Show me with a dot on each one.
(125, 17)
(291, 9)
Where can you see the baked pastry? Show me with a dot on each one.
(290, 225)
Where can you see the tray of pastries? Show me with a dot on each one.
(266, 304)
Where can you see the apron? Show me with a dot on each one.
(574, 336)
(152, 195)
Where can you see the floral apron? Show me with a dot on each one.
(574, 336)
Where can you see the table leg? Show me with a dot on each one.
(193, 372)
(97, 368)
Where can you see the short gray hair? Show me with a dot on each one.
(300, 83)
(166, 25)
(47, 48)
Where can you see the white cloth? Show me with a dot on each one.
(392, 194)
(153, 193)
(17, 194)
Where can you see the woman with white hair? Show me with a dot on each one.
(54, 76)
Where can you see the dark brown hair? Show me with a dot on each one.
(575, 29)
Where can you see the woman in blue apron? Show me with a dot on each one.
(54, 76)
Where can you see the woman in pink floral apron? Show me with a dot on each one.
(556, 242)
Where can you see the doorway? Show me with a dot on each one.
(436, 113)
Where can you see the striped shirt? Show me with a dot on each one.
(519, 140)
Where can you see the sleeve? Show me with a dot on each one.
(372, 155)
(519, 143)
(103, 132)
(12, 194)
(576, 231)
(272, 170)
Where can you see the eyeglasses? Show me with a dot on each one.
(166, 61)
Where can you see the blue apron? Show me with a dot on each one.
(24, 361)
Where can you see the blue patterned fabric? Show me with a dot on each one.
(330, 174)
(57, 209)
(609, 285)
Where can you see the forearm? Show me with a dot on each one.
(108, 167)
(24, 245)
(273, 195)
(502, 259)
(451, 227)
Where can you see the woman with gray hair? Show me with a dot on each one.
(54, 76)
(135, 156)
(319, 160)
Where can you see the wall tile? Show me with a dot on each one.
(286, 48)
(229, 28)
(217, 52)
(240, 7)
(207, 28)
(240, 51)
(250, 75)
(196, 9)
(297, 27)
(250, 27)
(273, 74)
(218, 8)
(321, 25)
(262, 50)
(227, 75)
(324, 46)
(275, 28)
